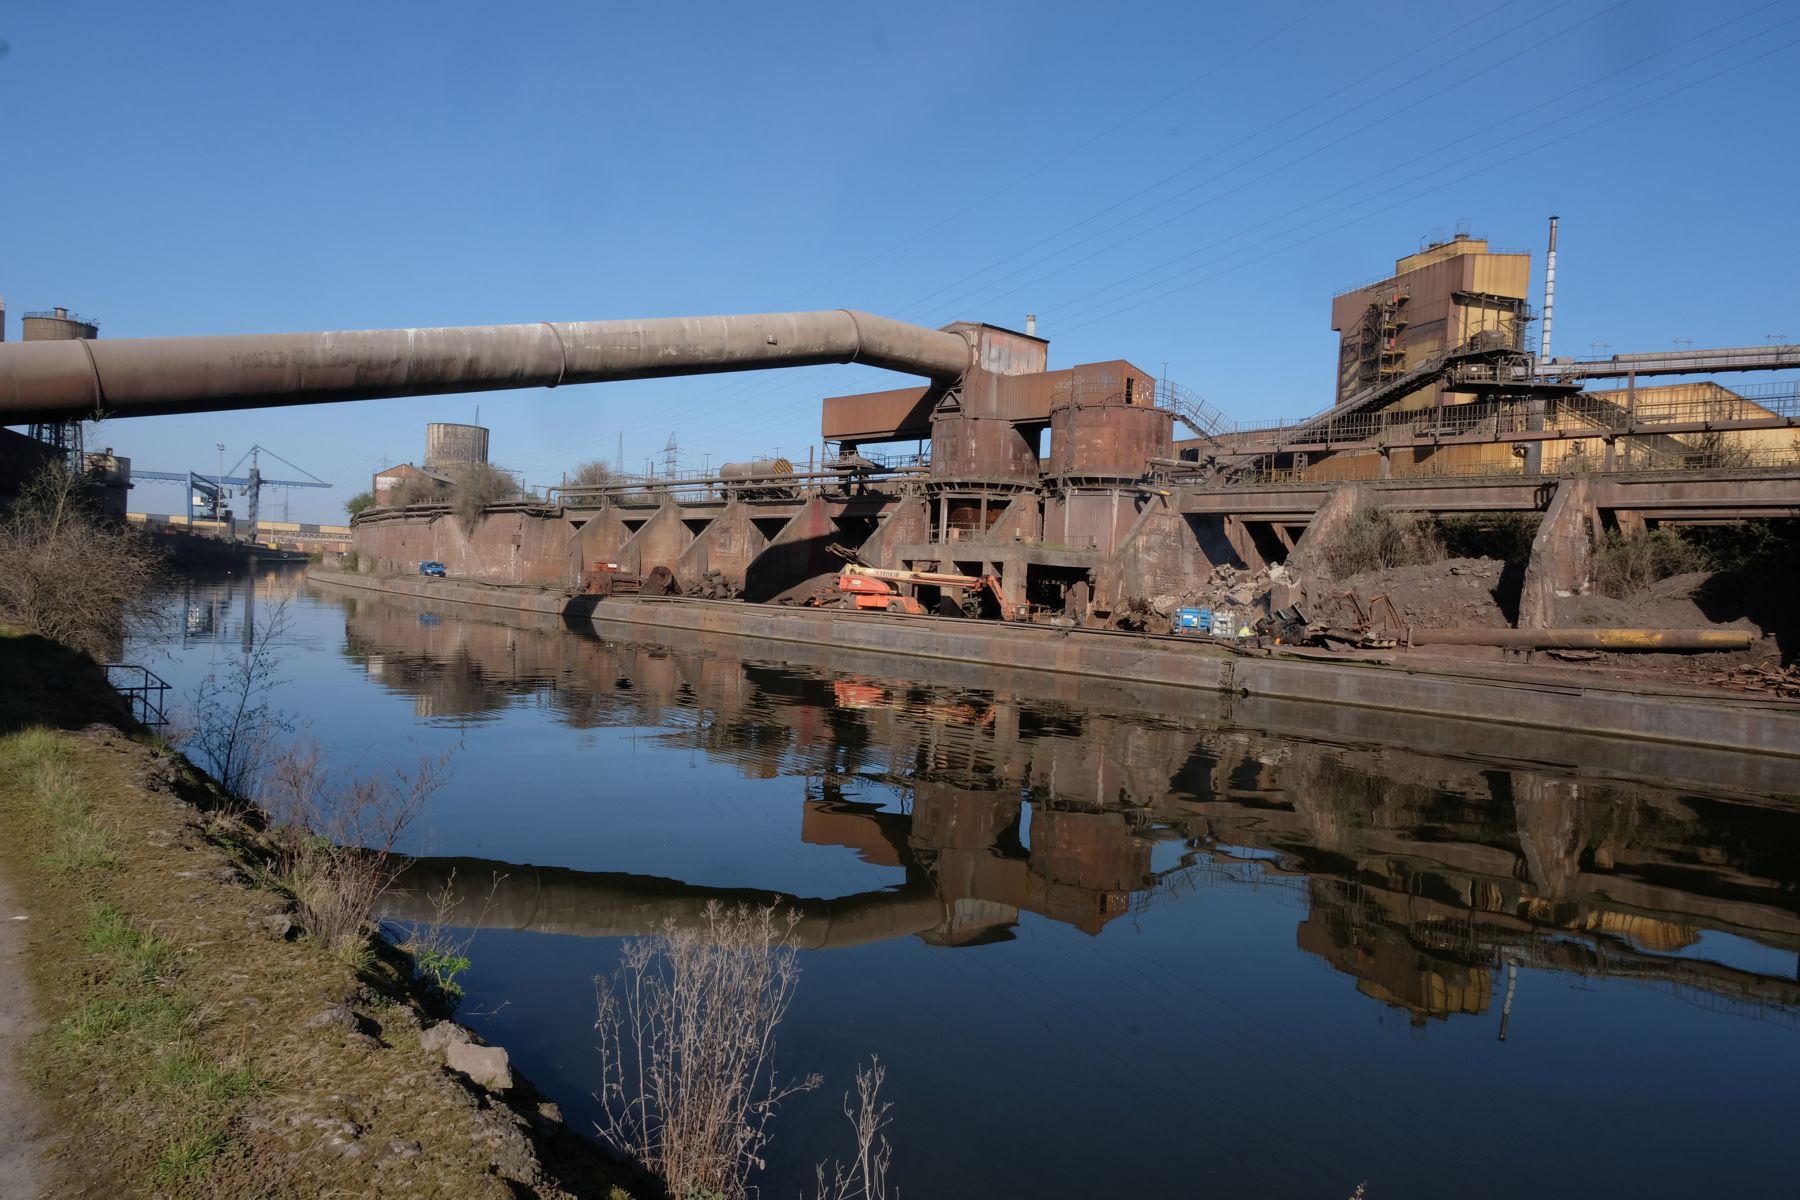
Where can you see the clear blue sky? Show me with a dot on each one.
(1179, 183)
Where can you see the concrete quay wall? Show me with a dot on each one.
(1544, 698)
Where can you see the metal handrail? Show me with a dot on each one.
(148, 710)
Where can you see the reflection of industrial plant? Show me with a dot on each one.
(1422, 878)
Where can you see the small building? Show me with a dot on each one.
(387, 479)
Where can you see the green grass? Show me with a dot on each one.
(135, 955)
(76, 845)
(30, 749)
(188, 1156)
(203, 1079)
(125, 1022)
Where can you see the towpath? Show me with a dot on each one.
(21, 1145)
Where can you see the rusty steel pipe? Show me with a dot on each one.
(151, 376)
(1589, 639)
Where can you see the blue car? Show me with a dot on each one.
(431, 568)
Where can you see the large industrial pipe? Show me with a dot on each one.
(149, 376)
(1589, 639)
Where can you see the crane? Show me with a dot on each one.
(208, 490)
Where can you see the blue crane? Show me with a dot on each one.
(207, 491)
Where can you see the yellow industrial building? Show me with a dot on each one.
(1461, 295)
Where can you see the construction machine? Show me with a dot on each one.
(879, 588)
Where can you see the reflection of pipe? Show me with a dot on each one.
(1589, 639)
(614, 904)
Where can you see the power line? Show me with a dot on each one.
(1200, 162)
(1385, 178)
(1453, 183)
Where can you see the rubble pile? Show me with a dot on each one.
(713, 586)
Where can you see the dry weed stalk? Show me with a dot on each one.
(687, 1048)
(866, 1176)
(335, 843)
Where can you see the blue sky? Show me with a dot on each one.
(1179, 183)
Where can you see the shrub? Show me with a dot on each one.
(687, 1025)
(67, 574)
(336, 844)
(477, 486)
(1505, 536)
(414, 489)
(359, 503)
(1376, 538)
(1627, 563)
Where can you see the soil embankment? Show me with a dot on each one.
(191, 1041)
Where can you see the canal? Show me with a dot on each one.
(1107, 940)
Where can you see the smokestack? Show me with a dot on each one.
(2, 318)
(1549, 293)
(1030, 324)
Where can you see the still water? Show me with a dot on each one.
(1108, 941)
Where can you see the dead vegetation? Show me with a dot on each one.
(477, 486)
(865, 1177)
(1627, 564)
(1375, 538)
(335, 844)
(67, 574)
(687, 1048)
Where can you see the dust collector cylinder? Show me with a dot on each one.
(980, 448)
(57, 325)
(1108, 441)
(448, 447)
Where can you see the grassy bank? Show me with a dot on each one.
(195, 1043)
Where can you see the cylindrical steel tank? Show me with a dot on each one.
(760, 468)
(57, 325)
(1107, 441)
(449, 446)
(980, 448)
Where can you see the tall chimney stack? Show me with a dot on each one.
(1549, 294)
(1030, 324)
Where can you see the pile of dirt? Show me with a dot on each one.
(1667, 604)
(1454, 594)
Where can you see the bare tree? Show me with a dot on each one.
(687, 1048)
(234, 721)
(69, 575)
(595, 473)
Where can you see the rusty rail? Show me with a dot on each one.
(1649, 640)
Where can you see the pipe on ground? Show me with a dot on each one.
(1589, 639)
(150, 376)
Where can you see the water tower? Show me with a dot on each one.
(450, 448)
(59, 325)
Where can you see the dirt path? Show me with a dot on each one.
(21, 1170)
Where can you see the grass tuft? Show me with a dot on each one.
(136, 956)
(203, 1079)
(123, 1023)
(188, 1156)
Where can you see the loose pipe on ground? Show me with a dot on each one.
(43, 381)
(1588, 639)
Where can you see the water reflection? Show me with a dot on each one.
(1427, 880)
